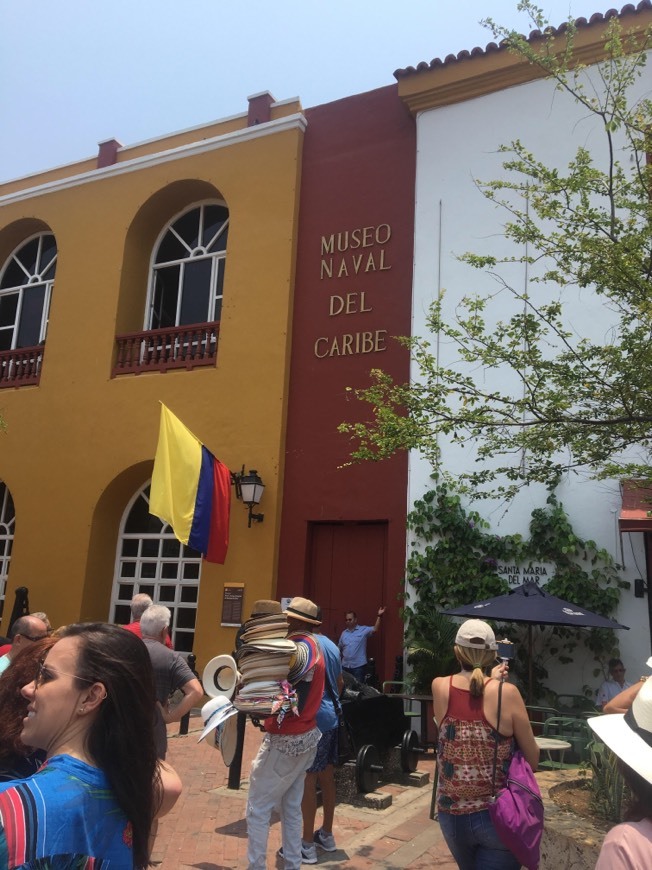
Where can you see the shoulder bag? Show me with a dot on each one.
(517, 810)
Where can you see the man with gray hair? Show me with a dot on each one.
(170, 673)
(139, 604)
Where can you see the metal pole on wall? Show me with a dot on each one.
(21, 606)
(184, 722)
(647, 536)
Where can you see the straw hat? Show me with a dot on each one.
(302, 661)
(271, 644)
(227, 740)
(265, 607)
(629, 735)
(214, 712)
(304, 610)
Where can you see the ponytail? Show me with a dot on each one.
(475, 660)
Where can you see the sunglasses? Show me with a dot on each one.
(45, 675)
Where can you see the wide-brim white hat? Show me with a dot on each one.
(629, 735)
(228, 740)
(220, 677)
(214, 712)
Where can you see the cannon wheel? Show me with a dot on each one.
(367, 768)
(410, 751)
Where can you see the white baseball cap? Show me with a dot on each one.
(476, 634)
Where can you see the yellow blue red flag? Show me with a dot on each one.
(191, 489)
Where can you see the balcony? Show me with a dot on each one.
(157, 350)
(21, 367)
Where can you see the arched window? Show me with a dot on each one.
(7, 526)
(187, 275)
(26, 282)
(151, 560)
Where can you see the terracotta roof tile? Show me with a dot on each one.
(596, 18)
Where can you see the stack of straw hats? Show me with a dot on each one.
(264, 661)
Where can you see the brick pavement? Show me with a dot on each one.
(207, 828)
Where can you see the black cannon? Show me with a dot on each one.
(377, 724)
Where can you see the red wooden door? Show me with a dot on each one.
(347, 571)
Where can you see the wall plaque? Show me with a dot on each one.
(232, 602)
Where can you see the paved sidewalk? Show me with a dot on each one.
(207, 828)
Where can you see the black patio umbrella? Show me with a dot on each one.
(531, 604)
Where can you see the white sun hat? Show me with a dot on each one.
(629, 735)
(227, 740)
(214, 712)
(220, 677)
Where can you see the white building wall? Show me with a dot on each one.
(458, 145)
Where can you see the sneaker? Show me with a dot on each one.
(308, 853)
(325, 841)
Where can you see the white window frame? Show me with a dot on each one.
(7, 530)
(30, 282)
(199, 253)
(158, 581)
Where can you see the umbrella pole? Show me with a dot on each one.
(529, 644)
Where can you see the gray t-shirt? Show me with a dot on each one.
(170, 674)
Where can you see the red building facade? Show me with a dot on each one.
(343, 527)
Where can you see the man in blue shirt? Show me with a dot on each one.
(353, 644)
(322, 770)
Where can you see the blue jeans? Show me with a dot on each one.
(474, 843)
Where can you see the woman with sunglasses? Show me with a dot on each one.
(90, 708)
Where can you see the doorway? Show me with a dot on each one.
(347, 567)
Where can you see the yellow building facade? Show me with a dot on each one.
(82, 426)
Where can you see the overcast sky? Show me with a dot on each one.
(76, 72)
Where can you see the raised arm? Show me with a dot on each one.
(622, 702)
(376, 624)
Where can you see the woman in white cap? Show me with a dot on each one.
(629, 735)
(466, 708)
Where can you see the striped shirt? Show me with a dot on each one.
(66, 813)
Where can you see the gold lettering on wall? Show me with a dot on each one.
(351, 303)
(349, 240)
(345, 267)
(343, 255)
(350, 343)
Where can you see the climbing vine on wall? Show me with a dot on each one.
(454, 560)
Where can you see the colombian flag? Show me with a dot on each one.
(191, 489)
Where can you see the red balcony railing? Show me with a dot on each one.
(21, 367)
(178, 347)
